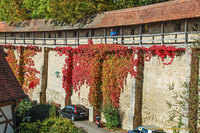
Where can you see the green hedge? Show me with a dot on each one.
(50, 125)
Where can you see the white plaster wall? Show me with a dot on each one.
(81, 96)
(38, 61)
(125, 103)
(157, 78)
(8, 112)
(55, 92)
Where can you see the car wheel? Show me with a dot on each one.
(72, 118)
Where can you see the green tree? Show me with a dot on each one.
(69, 11)
(12, 10)
(37, 9)
(147, 2)
(73, 11)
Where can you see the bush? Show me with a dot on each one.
(21, 111)
(60, 125)
(50, 125)
(29, 127)
(112, 116)
(40, 112)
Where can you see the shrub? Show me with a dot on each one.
(40, 112)
(61, 125)
(50, 125)
(112, 116)
(21, 111)
(29, 127)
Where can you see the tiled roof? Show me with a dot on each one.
(166, 11)
(9, 86)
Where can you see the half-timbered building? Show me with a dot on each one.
(10, 91)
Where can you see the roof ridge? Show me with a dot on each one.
(157, 5)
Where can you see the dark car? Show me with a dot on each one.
(147, 129)
(74, 112)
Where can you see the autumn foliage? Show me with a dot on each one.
(104, 68)
(29, 72)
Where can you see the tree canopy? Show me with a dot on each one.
(69, 11)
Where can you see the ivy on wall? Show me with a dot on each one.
(29, 72)
(104, 68)
(67, 69)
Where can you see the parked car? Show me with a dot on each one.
(147, 129)
(74, 112)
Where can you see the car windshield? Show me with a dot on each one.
(158, 132)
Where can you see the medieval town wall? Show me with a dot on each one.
(157, 78)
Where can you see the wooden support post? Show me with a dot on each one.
(193, 93)
(44, 76)
(14, 38)
(77, 32)
(5, 37)
(153, 39)
(65, 34)
(139, 92)
(105, 34)
(175, 38)
(14, 115)
(24, 41)
(140, 30)
(90, 33)
(33, 37)
(44, 38)
(122, 34)
(162, 34)
(186, 32)
(54, 38)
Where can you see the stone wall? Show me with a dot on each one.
(125, 104)
(38, 61)
(55, 92)
(157, 79)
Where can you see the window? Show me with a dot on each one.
(27, 34)
(74, 34)
(145, 28)
(60, 34)
(117, 30)
(195, 27)
(132, 31)
(49, 35)
(87, 34)
(177, 27)
(12, 35)
(92, 32)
